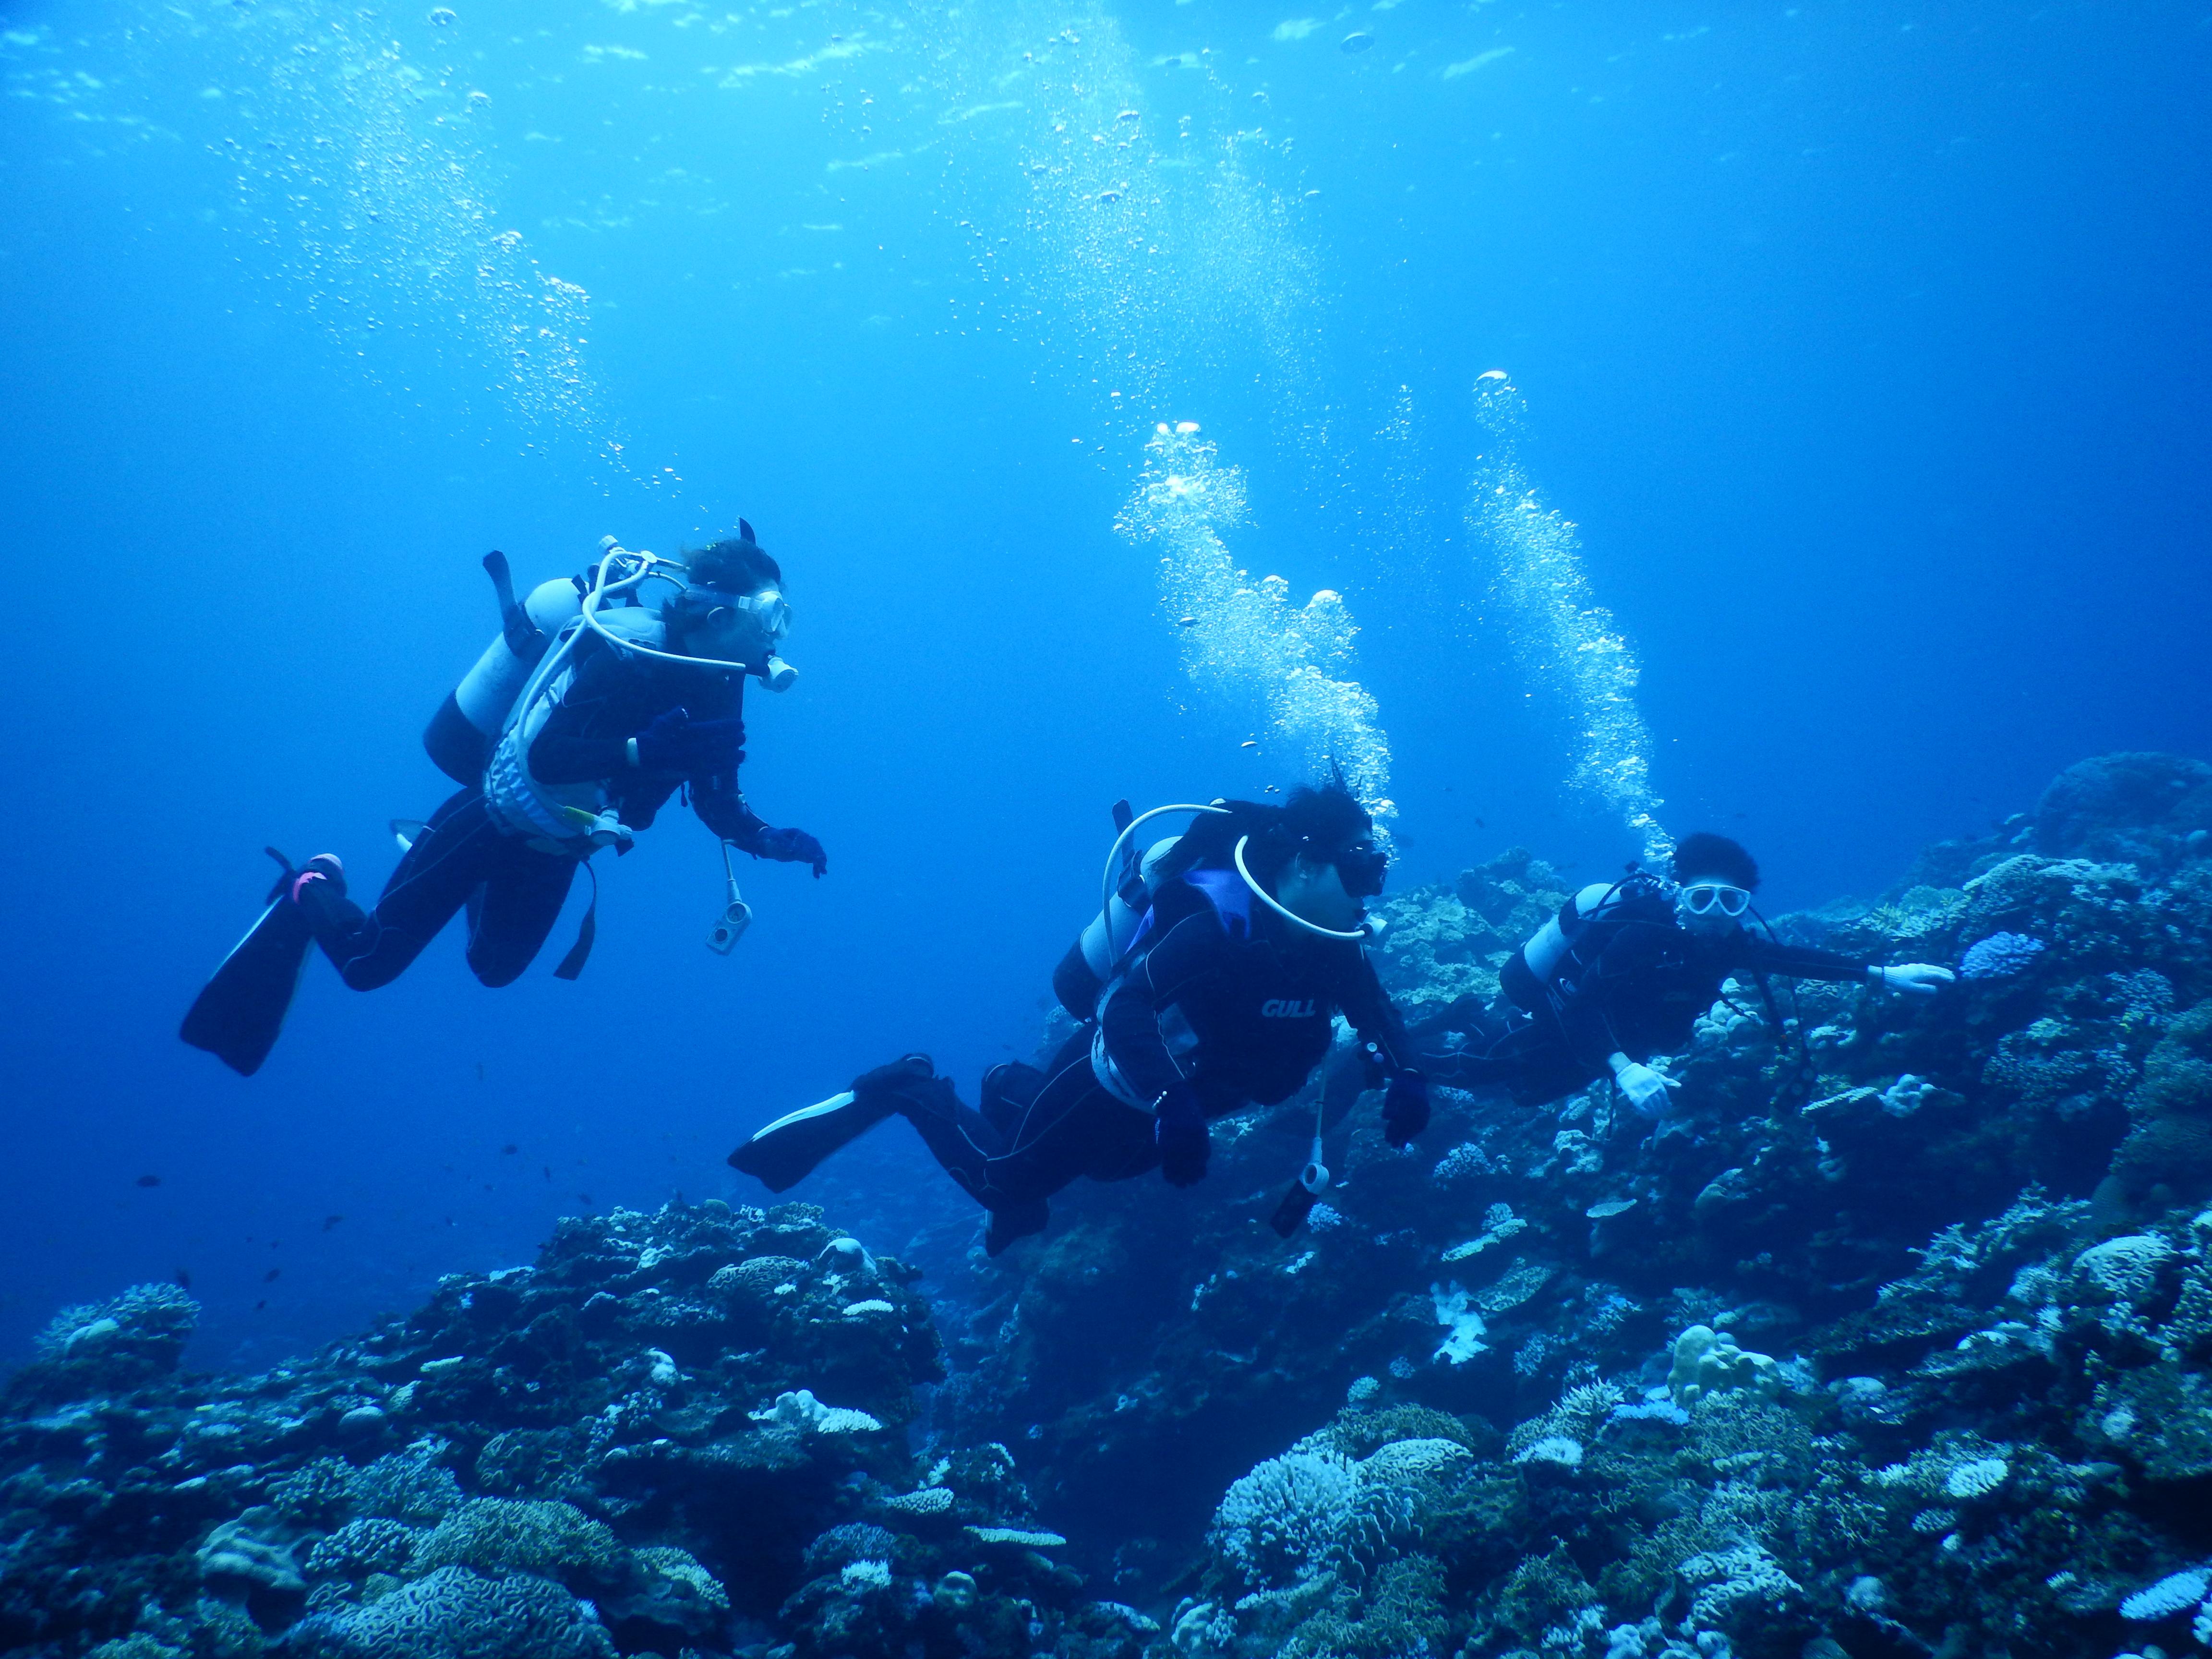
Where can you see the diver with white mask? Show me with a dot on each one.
(592, 707)
(1615, 982)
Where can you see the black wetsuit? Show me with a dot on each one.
(1219, 992)
(513, 886)
(1633, 981)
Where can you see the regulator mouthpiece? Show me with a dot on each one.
(778, 675)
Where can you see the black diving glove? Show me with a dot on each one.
(677, 746)
(792, 846)
(1405, 1107)
(1179, 1131)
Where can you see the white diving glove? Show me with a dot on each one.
(1646, 1086)
(1914, 979)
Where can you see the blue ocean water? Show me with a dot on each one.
(1856, 357)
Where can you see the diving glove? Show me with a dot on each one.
(1645, 1087)
(1914, 979)
(1179, 1131)
(792, 846)
(1405, 1107)
(677, 746)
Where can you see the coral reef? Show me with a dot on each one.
(1892, 1339)
(671, 1435)
(1889, 1338)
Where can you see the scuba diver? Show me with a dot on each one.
(581, 719)
(1209, 981)
(1616, 980)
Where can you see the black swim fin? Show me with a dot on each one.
(237, 1017)
(786, 1151)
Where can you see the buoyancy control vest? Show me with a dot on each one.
(569, 815)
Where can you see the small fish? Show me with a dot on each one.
(1127, 115)
(1480, 824)
(480, 1070)
(549, 1171)
(273, 1275)
(331, 1221)
(150, 1180)
(1355, 43)
(1110, 195)
(1186, 622)
(183, 1278)
(1249, 743)
(509, 1150)
(259, 1305)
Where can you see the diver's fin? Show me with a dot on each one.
(237, 1017)
(785, 1152)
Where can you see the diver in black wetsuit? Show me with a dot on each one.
(1226, 997)
(620, 737)
(604, 733)
(1616, 980)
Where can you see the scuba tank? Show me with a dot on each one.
(462, 733)
(1131, 883)
(1556, 953)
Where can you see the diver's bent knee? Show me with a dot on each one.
(365, 977)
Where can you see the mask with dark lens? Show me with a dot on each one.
(1702, 898)
(1361, 867)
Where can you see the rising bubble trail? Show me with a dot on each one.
(1566, 638)
(1243, 641)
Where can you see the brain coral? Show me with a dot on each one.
(1277, 1524)
(455, 1613)
(1402, 1460)
(502, 1535)
(2128, 1267)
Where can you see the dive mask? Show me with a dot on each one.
(1702, 898)
(768, 610)
(1361, 867)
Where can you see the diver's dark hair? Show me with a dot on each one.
(735, 566)
(1714, 857)
(1314, 821)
